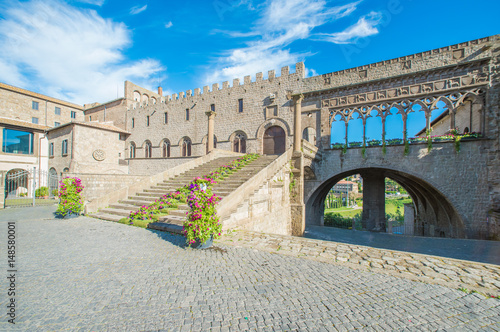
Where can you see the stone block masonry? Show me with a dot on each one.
(484, 278)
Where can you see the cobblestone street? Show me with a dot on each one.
(89, 275)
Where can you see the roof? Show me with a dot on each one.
(40, 96)
(346, 182)
(91, 106)
(23, 124)
(93, 124)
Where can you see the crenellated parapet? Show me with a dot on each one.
(236, 83)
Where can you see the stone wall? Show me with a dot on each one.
(98, 185)
(439, 176)
(265, 103)
(16, 103)
(114, 111)
(150, 166)
(263, 202)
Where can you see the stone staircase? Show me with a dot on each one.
(122, 209)
(174, 221)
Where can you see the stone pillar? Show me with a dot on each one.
(373, 217)
(210, 136)
(298, 210)
(297, 131)
(2, 189)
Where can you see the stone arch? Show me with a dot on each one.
(137, 96)
(144, 98)
(165, 148)
(148, 149)
(153, 100)
(238, 141)
(273, 122)
(204, 142)
(309, 134)
(132, 149)
(186, 146)
(429, 201)
(274, 141)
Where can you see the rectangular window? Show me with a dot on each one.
(212, 107)
(57, 124)
(73, 114)
(34, 105)
(187, 114)
(16, 141)
(58, 111)
(64, 147)
(147, 121)
(51, 150)
(133, 122)
(240, 105)
(34, 120)
(90, 117)
(165, 119)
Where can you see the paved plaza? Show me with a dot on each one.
(85, 274)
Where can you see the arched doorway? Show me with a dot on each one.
(274, 140)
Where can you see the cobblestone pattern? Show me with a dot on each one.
(453, 273)
(91, 275)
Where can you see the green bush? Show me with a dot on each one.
(42, 191)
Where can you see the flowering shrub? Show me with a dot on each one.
(70, 197)
(202, 220)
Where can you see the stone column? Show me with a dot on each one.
(297, 131)
(3, 174)
(210, 136)
(373, 217)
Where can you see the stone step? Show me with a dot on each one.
(148, 194)
(141, 198)
(156, 191)
(178, 213)
(106, 216)
(166, 227)
(125, 207)
(118, 212)
(137, 203)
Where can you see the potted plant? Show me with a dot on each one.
(42, 192)
(71, 200)
(355, 144)
(202, 224)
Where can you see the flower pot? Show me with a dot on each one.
(199, 245)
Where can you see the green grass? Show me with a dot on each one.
(391, 206)
(28, 201)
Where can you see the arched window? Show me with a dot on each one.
(166, 149)
(240, 143)
(132, 150)
(148, 150)
(309, 134)
(186, 147)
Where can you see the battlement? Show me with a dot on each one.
(457, 49)
(247, 80)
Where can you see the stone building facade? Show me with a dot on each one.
(23, 105)
(87, 147)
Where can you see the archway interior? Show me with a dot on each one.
(429, 212)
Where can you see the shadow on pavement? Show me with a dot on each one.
(482, 251)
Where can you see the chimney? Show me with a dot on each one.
(160, 91)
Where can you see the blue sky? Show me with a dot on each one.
(82, 51)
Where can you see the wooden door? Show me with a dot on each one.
(274, 140)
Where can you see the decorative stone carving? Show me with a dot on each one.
(99, 155)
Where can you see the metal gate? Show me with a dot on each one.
(30, 188)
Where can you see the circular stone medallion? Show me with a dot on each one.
(99, 155)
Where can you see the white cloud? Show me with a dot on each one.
(93, 2)
(366, 26)
(68, 53)
(282, 22)
(136, 9)
(168, 25)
